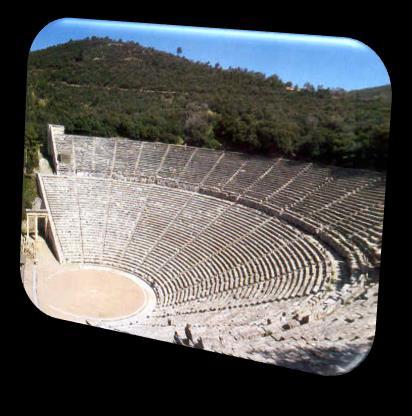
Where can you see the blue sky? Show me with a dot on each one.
(328, 61)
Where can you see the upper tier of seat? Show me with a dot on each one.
(342, 207)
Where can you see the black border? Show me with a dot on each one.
(64, 349)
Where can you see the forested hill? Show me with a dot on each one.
(113, 88)
(384, 92)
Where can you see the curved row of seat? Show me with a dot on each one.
(269, 332)
(186, 245)
(343, 207)
(216, 232)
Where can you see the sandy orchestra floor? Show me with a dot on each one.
(75, 293)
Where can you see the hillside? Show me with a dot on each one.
(112, 88)
(384, 93)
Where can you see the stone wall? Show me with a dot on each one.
(52, 130)
(51, 234)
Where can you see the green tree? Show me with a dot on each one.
(31, 147)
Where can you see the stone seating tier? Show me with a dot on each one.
(143, 229)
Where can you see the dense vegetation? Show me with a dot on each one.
(29, 193)
(374, 93)
(108, 88)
